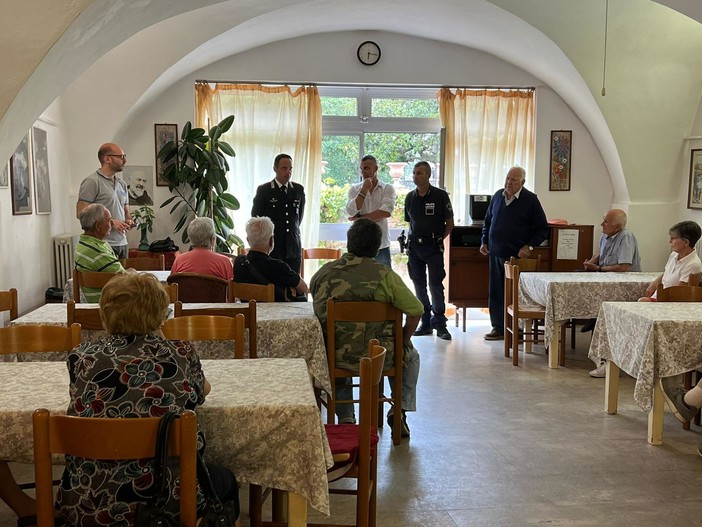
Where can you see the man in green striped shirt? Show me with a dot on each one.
(93, 253)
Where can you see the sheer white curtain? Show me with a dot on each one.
(268, 121)
(487, 132)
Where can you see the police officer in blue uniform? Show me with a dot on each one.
(284, 203)
(430, 216)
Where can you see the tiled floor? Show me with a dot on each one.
(495, 445)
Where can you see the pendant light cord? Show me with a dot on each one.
(604, 62)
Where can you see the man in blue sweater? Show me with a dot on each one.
(515, 223)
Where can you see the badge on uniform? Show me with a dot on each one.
(429, 209)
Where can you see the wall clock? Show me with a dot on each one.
(368, 53)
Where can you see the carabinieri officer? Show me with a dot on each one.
(284, 203)
(430, 216)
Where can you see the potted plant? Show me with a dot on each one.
(197, 173)
(144, 219)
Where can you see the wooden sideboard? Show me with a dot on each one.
(468, 269)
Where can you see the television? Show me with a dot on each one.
(477, 206)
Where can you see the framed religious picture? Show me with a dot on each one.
(40, 163)
(140, 182)
(5, 175)
(20, 180)
(694, 188)
(561, 154)
(163, 133)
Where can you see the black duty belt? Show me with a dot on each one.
(425, 240)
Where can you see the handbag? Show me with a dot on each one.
(163, 246)
(217, 514)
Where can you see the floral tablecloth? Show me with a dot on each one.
(649, 341)
(284, 330)
(261, 420)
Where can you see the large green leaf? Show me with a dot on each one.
(169, 200)
(226, 148)
(186, 130)
(226, 123)
(229, 201)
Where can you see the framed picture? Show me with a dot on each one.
(163, 133)
(40, 163)
(140, 182)
(694, 189)
(5, 176)
(20, 180)
(561, 157)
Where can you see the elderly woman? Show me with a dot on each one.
(683, 260)
(202, 258)
(132, 372)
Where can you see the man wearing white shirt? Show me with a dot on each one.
(374, 200)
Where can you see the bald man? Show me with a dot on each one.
(104, 187)
(619, 251)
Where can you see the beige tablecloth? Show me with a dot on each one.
(285, 330)
(649, 341)
(260, 419)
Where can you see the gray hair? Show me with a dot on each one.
(518, 169)
(90, 215)
(259, 230)
(201, 231)
(620, 218)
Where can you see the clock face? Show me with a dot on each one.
(368, 53)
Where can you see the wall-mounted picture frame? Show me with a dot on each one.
(694, 188)
(5, 175)
(20, 179)
(140, 182)
(40, 164)
(561, 158)
(163, 133)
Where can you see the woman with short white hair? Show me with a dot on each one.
(202, 258)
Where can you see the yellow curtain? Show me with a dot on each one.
(487, 132)
(268, 121)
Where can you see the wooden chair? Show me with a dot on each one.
(514, 312)
(207, 327)
(526, 265)
(245, 292)
(8, 302)
(354, 448)
(38, 338)
(366, 312)
(88, 318)
(694, 279)
(679, 293)
(89, 279)
(196, 287)
(111, 439)
(249, 312)
(318, 253)
(242, 251)
(172, 290)
(145, 263)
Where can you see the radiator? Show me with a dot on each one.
(64, 247)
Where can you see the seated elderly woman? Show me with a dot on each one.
(132, 372)
(202, 258)
(683, 260)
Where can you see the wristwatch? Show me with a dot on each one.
(531, 247)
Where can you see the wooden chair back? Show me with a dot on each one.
(207, 327)
(366, 312)
(242, 251)
(513, 312)
(8, 302)
(89, 279)
(38, 338)
(526, 265)
(172, 290)
(694, 279)
(230, 310)
(679, 293)
(111, 439)
(318, 253)
(145, 263)
(197, 287)
(88, 318)
(245, 292)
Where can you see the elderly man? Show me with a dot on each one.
(202, 258)
(257, 267)
(515, 223)
(111, 191)
(374, 200)
(357, 277)
(93, 253)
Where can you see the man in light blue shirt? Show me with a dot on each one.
(619, 251)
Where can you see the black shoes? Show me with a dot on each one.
(494, 335)
(405, 429)
(423, 330)
(443, 333)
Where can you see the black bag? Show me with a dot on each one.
(163, 246)
(217, 514)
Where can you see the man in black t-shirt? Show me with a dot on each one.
(257, 267)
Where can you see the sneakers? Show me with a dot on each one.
(348, 420)
(443, 333)
(674, 395)
(494, 335)
(423, 330)
(600, 372)
(405, 429)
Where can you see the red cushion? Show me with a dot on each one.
(343, 439)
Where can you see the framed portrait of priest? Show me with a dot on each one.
(20, 179)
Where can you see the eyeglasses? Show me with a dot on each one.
(123, 157)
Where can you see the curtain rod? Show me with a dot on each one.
(358, 85)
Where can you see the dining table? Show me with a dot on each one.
(261, 421)
(649, 341)
(284, 330)
(575, 295)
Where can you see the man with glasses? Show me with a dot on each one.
(104, 187)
